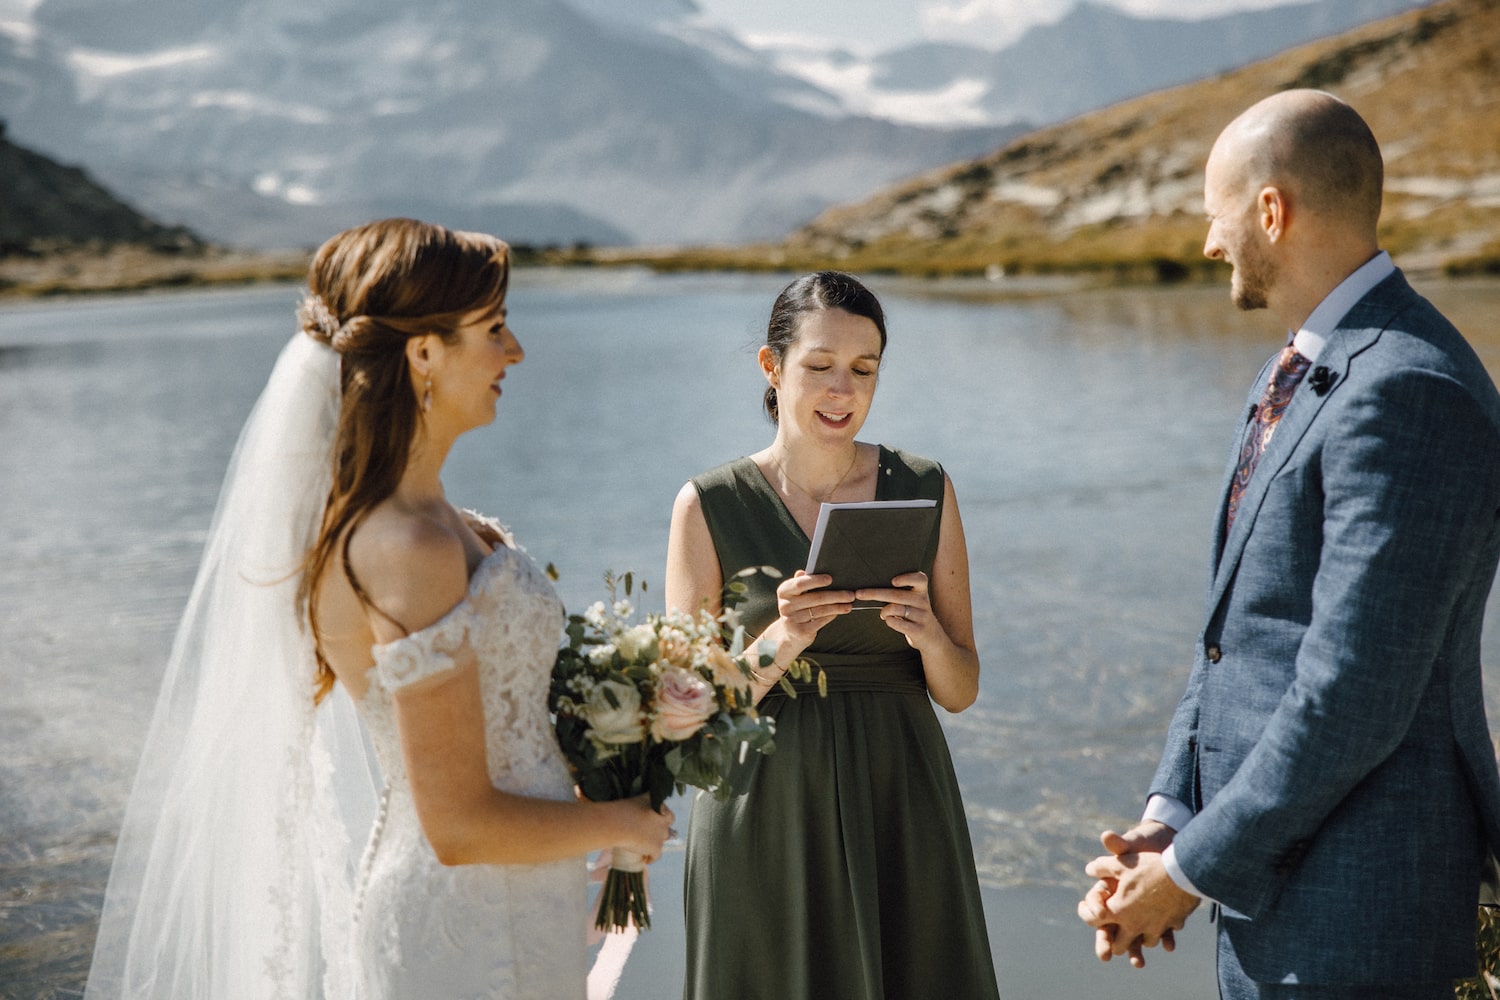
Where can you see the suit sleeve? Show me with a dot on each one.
(1175, 774)
(1409, 483)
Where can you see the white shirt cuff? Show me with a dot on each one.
(1165, 809)
(1172, 812)
(1169, 862)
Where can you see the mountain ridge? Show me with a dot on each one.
(270, 122)
(1121, 188)
(274, 122)
(1094, 56)
(45, 205)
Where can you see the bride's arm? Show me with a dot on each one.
(467, 820)
(419, 572)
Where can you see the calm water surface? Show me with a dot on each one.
(1085, 433)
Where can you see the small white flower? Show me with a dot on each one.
(600, 656)
(634, 642)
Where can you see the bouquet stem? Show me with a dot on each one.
(623, 901)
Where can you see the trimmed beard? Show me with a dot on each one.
(1255, 275)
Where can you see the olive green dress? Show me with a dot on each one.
(846, 870)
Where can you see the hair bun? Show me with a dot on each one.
(318, 321)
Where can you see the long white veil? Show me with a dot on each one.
(234, 869)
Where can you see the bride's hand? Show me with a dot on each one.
(805, 607)
(643, 829)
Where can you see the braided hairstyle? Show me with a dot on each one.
(370, 290)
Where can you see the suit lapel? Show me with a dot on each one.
(1356, 332)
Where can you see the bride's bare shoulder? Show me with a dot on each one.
(413, 568)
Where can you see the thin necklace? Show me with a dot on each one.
(804, 490)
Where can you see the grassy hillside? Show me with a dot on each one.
(60, 232)
(45, 205)
(1119, 191)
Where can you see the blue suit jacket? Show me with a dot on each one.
(1332, 741)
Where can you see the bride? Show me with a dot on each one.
(259, 856)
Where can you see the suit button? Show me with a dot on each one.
(1214, 654)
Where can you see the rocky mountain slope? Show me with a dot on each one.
(45, 206)
(1121, 189)
(61, 232)
(274, 122)
(1095, 55)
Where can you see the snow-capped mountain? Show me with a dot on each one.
(275, 122)
(1092, 57)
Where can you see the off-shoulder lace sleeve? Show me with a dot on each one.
(426, 653)
(489, 528)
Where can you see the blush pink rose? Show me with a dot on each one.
(684, 702)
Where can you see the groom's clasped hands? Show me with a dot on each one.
(1134, 905)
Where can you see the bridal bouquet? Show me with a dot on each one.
(652, 706)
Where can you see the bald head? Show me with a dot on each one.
(1315, 147)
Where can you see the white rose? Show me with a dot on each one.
(615, 724)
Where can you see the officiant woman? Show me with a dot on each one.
(846, 871)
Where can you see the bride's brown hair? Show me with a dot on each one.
(372, 288)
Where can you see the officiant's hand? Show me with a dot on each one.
(805, 607)
(908, 608)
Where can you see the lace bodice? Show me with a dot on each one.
(495, 931)
(511, 620)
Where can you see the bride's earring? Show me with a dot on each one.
(427, 395)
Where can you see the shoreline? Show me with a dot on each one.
(123, 270)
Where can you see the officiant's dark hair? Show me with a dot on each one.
(371, 289)
(814, 293)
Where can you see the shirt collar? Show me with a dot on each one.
(1322, 321)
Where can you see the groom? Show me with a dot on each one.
(1328, 779)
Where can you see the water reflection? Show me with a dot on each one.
(1086, 434)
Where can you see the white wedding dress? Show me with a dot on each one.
(501, 932)
(248, 866)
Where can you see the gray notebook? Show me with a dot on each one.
(869, 544)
